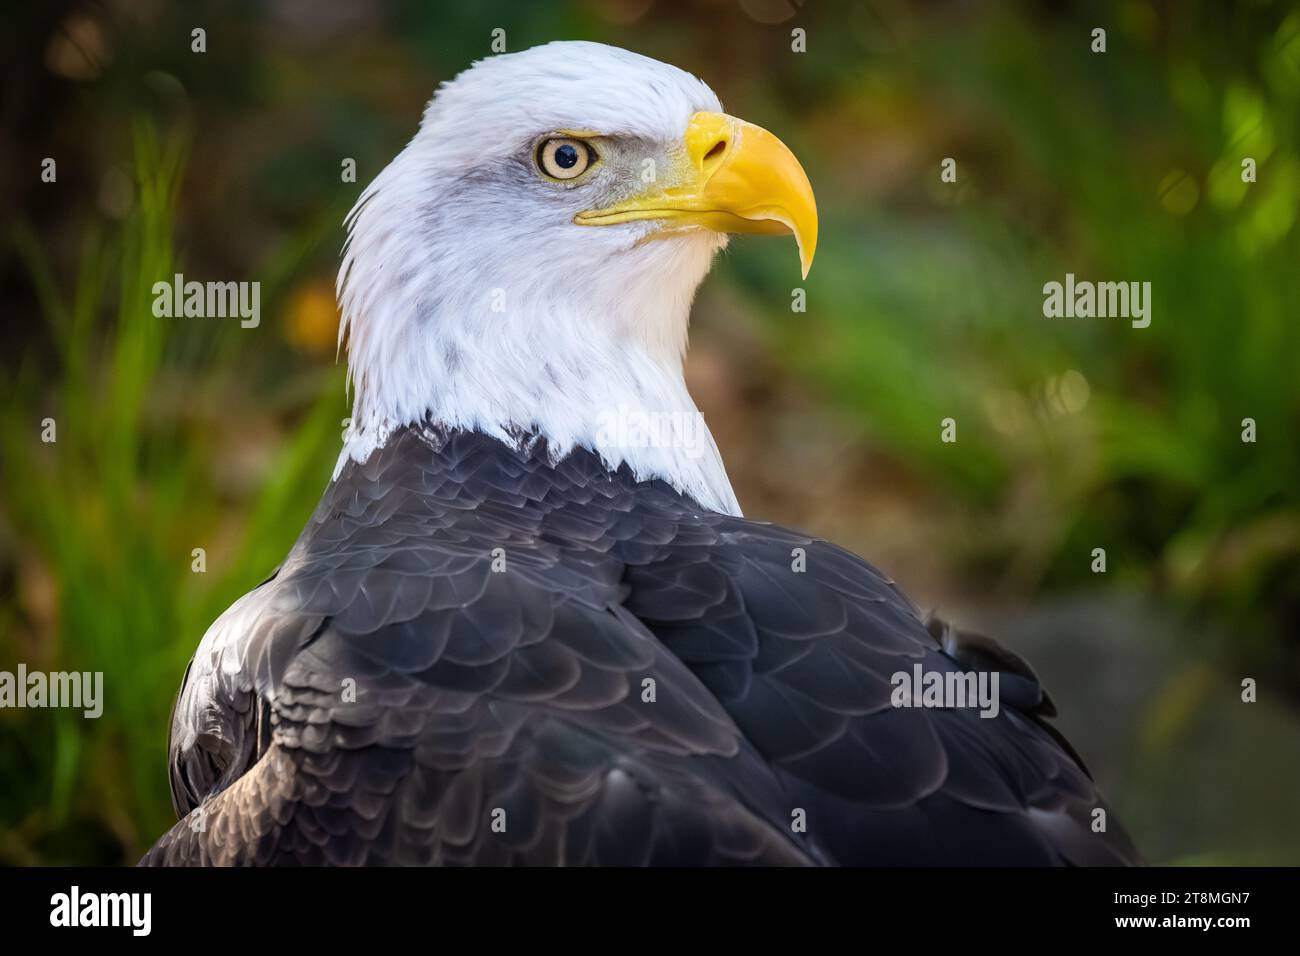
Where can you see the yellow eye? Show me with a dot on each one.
(564, 158)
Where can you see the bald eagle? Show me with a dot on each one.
(527, 622)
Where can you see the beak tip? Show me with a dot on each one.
(806, 259)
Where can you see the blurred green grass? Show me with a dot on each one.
(924, 303)
(1078, 433)
(112, 511)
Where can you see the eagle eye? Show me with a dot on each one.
(564, 158)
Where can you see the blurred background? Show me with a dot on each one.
(925, 303)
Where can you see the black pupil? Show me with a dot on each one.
(566, 157)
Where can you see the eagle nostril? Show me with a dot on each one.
(716, 151)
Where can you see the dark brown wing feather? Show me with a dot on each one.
(475, 655)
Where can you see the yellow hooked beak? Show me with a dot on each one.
(734, 177)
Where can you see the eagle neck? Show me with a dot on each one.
(596, 385)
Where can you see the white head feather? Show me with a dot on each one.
(471, 299)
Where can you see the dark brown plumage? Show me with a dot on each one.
(516, 696)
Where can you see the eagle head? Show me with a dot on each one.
(526, 265)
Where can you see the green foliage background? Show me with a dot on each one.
(925, 302)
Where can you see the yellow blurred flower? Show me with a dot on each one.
(312, 324)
